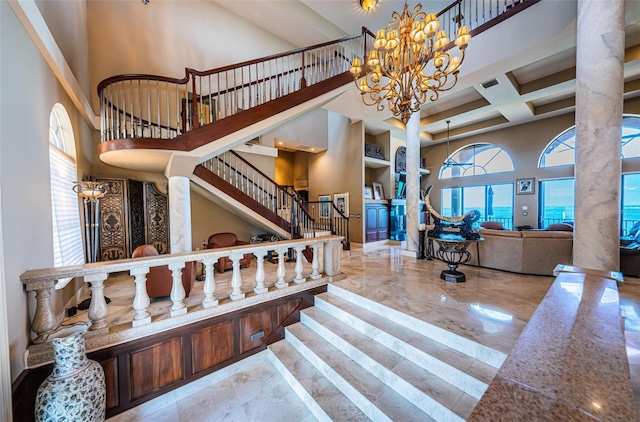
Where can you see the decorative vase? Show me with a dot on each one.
(75, 390)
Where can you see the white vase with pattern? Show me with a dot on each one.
(75, 390)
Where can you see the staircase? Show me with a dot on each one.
(350, 358)
(280, 208)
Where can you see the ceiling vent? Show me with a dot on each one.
(490, 83)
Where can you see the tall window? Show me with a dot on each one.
(630, 201)
(556, 202)
(476, 159)
(67, 233)
(562, 149)
(495, 202)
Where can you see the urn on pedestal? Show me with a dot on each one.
(75, 390)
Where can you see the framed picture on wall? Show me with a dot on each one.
(341, 201)
(325, 203)
(526, 186)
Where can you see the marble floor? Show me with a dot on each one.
(492, 308)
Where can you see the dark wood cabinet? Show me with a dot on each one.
(376, 222)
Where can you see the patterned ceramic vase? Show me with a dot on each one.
(75, 390)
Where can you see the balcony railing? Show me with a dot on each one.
(43, 283)
(151, 106)
(283, 201)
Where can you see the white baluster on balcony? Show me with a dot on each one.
(141, 299)
(44, 321)
(298, 279)
(177, 290)
(236, 279)
(260, 276)
(209, 285)
(315, 263)
(281, 272)
(98, 305)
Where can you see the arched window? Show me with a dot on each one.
(561, 150)
(476, 159)
(67, 232)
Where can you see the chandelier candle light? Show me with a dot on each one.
(409, 61)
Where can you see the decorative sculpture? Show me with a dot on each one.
(462, 222)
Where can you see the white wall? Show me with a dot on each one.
(165, 37)
(340, 169)
(29, 91)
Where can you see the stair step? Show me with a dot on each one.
(374, 398)
(325, 401)
(426, 390)
(482, 353)
(458, 369)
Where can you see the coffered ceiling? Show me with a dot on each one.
(532, 56)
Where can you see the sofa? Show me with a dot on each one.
(225, 240)
(160, 279)
(534, 252)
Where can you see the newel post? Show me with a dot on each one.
(331, 257)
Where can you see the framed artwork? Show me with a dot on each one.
(341, 201)
(368, 192)
(526, 186)
(325, 204)
(378, 192)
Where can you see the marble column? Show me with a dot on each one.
(599, 89)
(413, 184)
(180, 214)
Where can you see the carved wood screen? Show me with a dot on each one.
(132, 213)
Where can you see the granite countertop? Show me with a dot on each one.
(570, 362)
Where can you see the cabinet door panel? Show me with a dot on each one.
(383, 223)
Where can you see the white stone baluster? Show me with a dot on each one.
(177, 290)
(98, 305)
(315, 263)
(260, 276)
(209, 285)
(236, 279)
(299, 279)
(281, 272)
(141, 299)
(44, 321)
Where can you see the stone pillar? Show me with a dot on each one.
(599, 89)
(413, 184)
(180, 214)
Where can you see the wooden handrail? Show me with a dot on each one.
(272, 57)
(141, 76)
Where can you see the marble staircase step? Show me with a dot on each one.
(373, 397)
(426, 390)
(479, 352)
(456, 368)
(325, 401)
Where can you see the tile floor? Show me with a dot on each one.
(492, 308)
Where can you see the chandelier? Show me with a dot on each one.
(409, 63)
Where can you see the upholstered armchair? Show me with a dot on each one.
(160, 279)
(224, 240)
